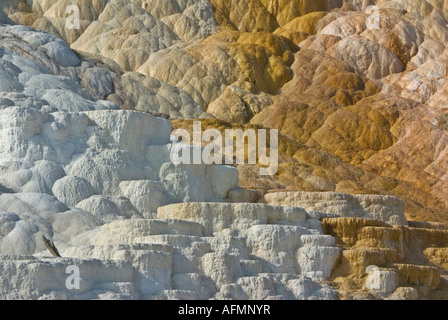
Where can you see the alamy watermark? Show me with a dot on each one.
(73, 21)
(373, 281)
(373, 22)
(233, 148)
(73, 281)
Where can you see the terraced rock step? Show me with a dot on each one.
(31, 278)
(238, 251)
(219, 216)
(346, 230)
(415, 275)
(86, 117)
(276, 255)
(381, 260)
(383, 208)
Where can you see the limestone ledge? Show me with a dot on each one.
(206, 250)
(250, 251)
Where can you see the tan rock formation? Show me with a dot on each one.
(362, 119)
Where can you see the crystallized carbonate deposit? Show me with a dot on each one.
(91, 177)
(85, 149)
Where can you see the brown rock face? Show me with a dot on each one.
(346, 230)
(415, 254)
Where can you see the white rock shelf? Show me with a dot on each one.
(281, 255)
(190, 250)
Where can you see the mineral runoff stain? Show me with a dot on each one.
(233, 309)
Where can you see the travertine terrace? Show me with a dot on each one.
(358, 208)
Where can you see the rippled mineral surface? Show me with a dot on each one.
(92, 91)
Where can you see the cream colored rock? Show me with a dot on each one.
(198, 182)
(17, 235)
(144, 93)
(72, 190)
(46, 279)
(203, 286)
(304, 288)
(132, 131)
(126, 231)
(28, 177)
(276, 246)
(383, 208)
(187, 250)
(374, 60)
(152, 263)
(219, 216)
(135, 31)
(223, 269)
(251, 267)
(257, 67)
(317, 263)
(287, 286)
(314, 240)
(230, 242)
(153, 269)
(237, 106)
(404, 293)
(318, 256)
(42, 214)
(107, 251)
(146, 196)
(109, 208)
